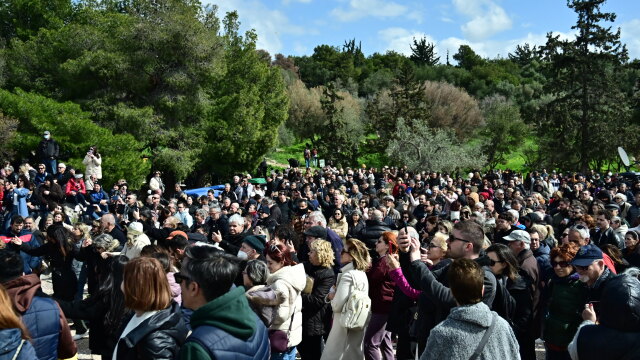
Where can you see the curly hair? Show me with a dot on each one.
(324, 252)
(565, 251)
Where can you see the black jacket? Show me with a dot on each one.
(159, 337)
(514, 302)
(371, 233)
(316, 313)
(48, 149)
(607, 237)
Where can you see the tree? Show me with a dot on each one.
(250, 104)
(452, 108)
(420, 147)
(503, 132)
(24, 18)
(75, 132)
(583, 121)
(423, 53)
(406, 100)
(8, 132)
(524, 54)
(467, 58)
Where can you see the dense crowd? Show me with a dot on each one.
(320, 263)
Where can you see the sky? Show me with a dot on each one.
(492, 28)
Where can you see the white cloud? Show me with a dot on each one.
(269, 24)
(487, 18)
(358, 9)
(630, 35)
(400, 40)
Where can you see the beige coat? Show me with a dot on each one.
(93, 166)
(344, 343)
(288, 283)
(341, 228)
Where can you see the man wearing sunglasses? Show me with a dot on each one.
(465, 241)
(589, 264)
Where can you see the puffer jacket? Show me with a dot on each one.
(371, 232)
(93, 166)
(13, 347)
(158, 337)
(288, 283)
(315, 311)
(616, 337)
(340, 227)
(259, 297)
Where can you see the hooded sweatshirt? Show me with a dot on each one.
(230, 313)
(22, 291)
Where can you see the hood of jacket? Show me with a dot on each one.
(295, 276)
(230, 313)
(22, 290)
(477, 314)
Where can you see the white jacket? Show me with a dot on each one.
(93, 166)
(288, 283)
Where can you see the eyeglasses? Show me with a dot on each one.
(453, 238)
(494, 262)
(562, 264)
(431, 246)
(155, 198)
(582, 268)
(181, 277)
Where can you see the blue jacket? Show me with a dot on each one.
(544, 261)
(21, 207)
(10, 340)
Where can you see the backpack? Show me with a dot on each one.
(356, 310)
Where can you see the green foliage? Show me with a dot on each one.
(250, 105)
(588, 109)
(422, 148)
(24, 18)
(504, 130)
(407, 100)
(424, 53)
(75, 132)
(467, 58)
(8, 132)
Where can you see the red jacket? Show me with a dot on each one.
(381, 287)
(76, 185)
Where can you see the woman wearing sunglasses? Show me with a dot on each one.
(338, 223)
(563, 303)
(514, 300)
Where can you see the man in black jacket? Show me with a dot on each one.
(465, 241)
(605, 234)
(48, 152)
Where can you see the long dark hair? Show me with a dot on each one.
(505, 254)
(59, 235)
(111, 293)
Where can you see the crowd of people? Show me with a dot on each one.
(325, 263)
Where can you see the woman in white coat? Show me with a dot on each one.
(287, 280)
(344, 343)
(93, 163)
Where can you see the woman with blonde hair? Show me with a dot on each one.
(14, 337)
(344, 343)
(315, 311)
(437, 251)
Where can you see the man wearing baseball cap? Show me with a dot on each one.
(590, 266)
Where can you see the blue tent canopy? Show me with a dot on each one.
(217, 189)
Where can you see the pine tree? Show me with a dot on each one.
(582, 122)
(424, 53)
